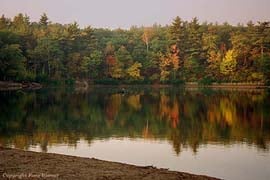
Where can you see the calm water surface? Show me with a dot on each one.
(221, 133)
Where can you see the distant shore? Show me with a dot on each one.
(230, 85)
(16, 164)
(9, 85)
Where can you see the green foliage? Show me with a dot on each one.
(189, 51)
(12, 62)
(108, 81)
(154, 78)
(4, 22)
(30, 76)
(43, 20)
(124, 57)
(117, 70)
(91, 65)
(176, 82)
(21, 24)
(70, 81)
(265, 67)
(192, 69)
(42, 78)
(206, 81)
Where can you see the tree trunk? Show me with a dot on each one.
(262, 53)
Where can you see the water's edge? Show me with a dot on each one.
(13, 160)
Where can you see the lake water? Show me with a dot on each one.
(220, 133)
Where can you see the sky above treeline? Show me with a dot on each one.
(126, 13)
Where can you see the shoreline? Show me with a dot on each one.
(37, 165)
(9, 86)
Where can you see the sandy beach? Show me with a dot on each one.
(19, 164)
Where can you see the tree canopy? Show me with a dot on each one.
(185, 51)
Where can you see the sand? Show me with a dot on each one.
(19, 164)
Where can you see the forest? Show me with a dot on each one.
(184, 51)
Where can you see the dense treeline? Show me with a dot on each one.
(181, 52)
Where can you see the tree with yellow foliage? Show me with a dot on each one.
(228, 64)
(164, 66)
(133, 71)
(174, 55)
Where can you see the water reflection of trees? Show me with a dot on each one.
(187, 119)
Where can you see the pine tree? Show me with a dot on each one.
(43, 20)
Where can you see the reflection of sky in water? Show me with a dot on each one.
(224, 161)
